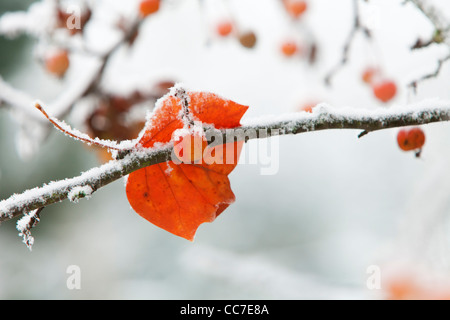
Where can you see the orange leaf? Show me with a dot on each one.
(180, 197)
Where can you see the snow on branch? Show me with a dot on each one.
(327, 117)
(434, 74)
(66, 129)
(323, 117)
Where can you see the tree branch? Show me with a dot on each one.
(95, 178)
(413, 84)
(323, 117)
(435, 17)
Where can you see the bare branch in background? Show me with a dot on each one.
(323, 118)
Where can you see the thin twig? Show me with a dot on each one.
(437, 38)
(438, 21)
(357, 26)
(413, 84)
(85, 138)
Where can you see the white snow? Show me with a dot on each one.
(77, 135)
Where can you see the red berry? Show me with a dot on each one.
(384, 90)
(411, 139)
(57, 63)
(289, 48)
(295, 7)
(224, 28)
(147, 7)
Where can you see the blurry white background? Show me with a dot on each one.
(337, 205)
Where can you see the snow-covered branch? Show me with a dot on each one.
(434, 74)
(94, 178)
(326, 117)
(323, 117)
